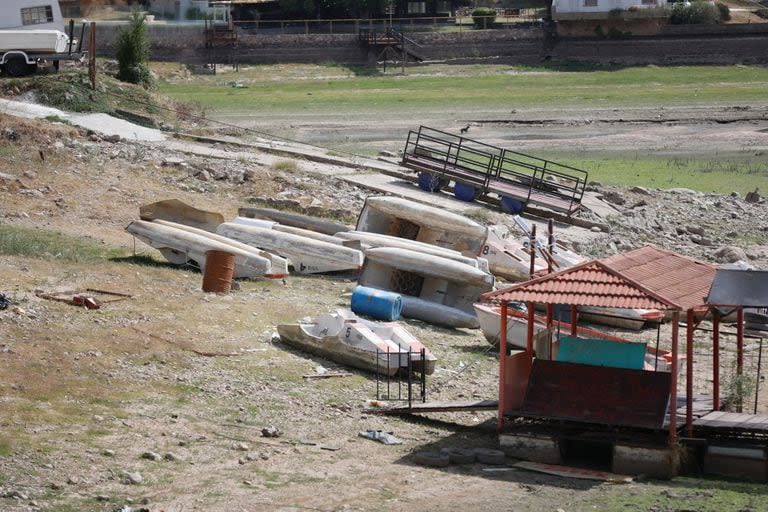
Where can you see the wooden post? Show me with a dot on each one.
(715, 359)
(92, 55)
(689, 373)
(502, 361)
(529, 332)
(673, 379)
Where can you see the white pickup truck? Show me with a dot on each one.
(32, 34)
(22, 51)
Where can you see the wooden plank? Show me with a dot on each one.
(570, 472)
(425, 407)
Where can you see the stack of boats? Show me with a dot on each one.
(438, 262)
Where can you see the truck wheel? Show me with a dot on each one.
(17, 66)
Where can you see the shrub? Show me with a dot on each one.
(697, 12)
(725, 11)
(132, 50)
(483, 17)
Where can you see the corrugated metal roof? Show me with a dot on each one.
(592, 283)
(677, 278)
(739, 288)
(647, 278)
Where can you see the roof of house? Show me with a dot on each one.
(646, 278)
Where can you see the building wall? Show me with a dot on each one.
(184, 43)
(595, 6)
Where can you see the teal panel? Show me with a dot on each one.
(598, 352)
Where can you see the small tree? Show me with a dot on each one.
(132, 49)
(483, 17)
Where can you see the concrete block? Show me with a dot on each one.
(748, 463)
(657, 462)
(544, 449)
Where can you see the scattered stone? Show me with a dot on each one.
(15, 494)
(271, 432)
(112, 138)
(11, 134)
(203, 176)
(695, 230)
(73, 480)
(753, 197)
(172, 457)
(640, 190)
(683, 191)
(132, 478)
(97, 418)
(151, 456)
(34, 504)
(102, 497)
(730, 254)
(595, 229)
(243, 447)
(173, 162)
(55, 486)
(614, 198)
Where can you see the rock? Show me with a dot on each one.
(249, 174)
(55, 486)
(34, 504)
(173, 162)
(73, 480)
(203, 176)
(614, 198)
(252, 456)
(695, 230)
(102, 497)
(640, 190)
(108, 453)
(11, 134)
(243, 447)
(151, 456)
(752, 197)
(132, 478)
(112, 138)
(683, 191)
(271, 432)
(172, 457)
(595, 229)
(730, 254)
(15, 494)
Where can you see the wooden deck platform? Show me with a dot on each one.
(421, 408)
(733, 421)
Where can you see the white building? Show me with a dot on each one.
(31, 15)
(566, 7)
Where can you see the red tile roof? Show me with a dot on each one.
(677, 278)
(589, 284)
(647, 278)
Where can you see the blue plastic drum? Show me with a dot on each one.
(429, 182)
(509, 205)
(378, 304)
(464, 192)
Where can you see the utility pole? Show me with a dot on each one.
(92, 55)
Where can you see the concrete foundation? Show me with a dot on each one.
(750, 463)
(544, 449)
(650, 461)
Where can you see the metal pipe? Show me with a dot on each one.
(529, 335)
(502, 362)
(689, 373)
(574, 320)
(759, 364)
(550, 314)
(532, 248)
(716, 359)
(673, 380)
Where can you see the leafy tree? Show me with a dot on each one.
(132, 49)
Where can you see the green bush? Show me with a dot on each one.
(697, 12)
(483, 17)
(193, 13)
(132, 50)
(725, 11)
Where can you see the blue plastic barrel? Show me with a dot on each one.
(429, 182)
(464, 192)
(509, 205)
(379, 304)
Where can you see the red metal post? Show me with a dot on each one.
(529, 335)
(550, 316)
(502, 362)
(532, 248)
(715, 359)
(574, 320)
(673, 379)
(689, 372)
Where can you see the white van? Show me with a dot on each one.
(31, 15)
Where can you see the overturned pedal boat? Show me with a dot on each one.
(180, 246)
(307, 255)
(343, 337)
(434, 289)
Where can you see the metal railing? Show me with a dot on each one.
(491, 168)
(396, 384)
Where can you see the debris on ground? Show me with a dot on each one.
(387, 438)
(5, 301)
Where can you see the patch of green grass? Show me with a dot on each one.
(683, 493)
(497, 85)
(5, 449)
(286, 166)
(45, 244)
